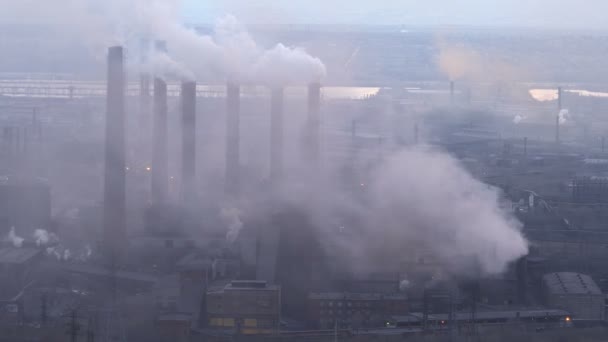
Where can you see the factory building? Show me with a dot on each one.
(16, 267)
(576, 293)
(245, 307)
(354, 310)
(24, 204)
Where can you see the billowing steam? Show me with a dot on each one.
(43, 237)
(228, 53)
(232, 219)
(518, 119)
(461, 62)
(14, 239)
(285, 66)
(564, 116)
(424, 198)
(417, 201)
(161, 64)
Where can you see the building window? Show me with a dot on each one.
(216, 322)
(229, 322)
(250, 323)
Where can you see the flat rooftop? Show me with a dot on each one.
(570, 283)
(12, 255)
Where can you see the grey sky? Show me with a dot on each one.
(584, 14)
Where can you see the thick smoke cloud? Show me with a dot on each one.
(228, 53)
(418, 201)
(423, 197)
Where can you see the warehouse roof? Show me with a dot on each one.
(12, 255)
(356, 296)
(570, 283)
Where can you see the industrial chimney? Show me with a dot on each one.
(276, 134)
(559, 111)
(314, 123)
(114, 203)
(451, 92)
(557, 129)
(188, 141)
(160, 155)
(232, 138)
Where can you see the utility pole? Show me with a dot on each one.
(43, 309)
(73, 327)
(425, 310)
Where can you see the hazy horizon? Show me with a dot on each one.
(548, 14)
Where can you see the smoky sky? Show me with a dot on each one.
(554, 14)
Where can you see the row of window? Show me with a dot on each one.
(343, 312)
(349, 304)
(245, 323)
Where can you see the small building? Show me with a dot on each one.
(576, 293)
(174, 327)
(246, 307)
(355, 310)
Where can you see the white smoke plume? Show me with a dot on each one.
(564, 116)
(43, 237)
(423, 197)
(416, 201)
(54, 251)
(229, 53)
(14, 239)
(518, 119)
(232, 219)
(161, 64)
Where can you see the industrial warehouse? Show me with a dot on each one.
(170, 182)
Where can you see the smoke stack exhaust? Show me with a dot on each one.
(188, 141)
(232, 138)
(276, 134)
(452, 92)
(557, 129)
(114, 179)
(160, 156)
(559, 109)
(314, 123)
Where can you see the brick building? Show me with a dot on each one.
(355, 310)
(245, 307)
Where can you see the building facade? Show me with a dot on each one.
(245, 307)
(354, 310)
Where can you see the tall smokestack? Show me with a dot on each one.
(232, 138)
(114, 183)
(188, 141)
(559, 110)
(557, 129)
(160, 156)
(452, 92)
(276, 134)
(314, 122)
